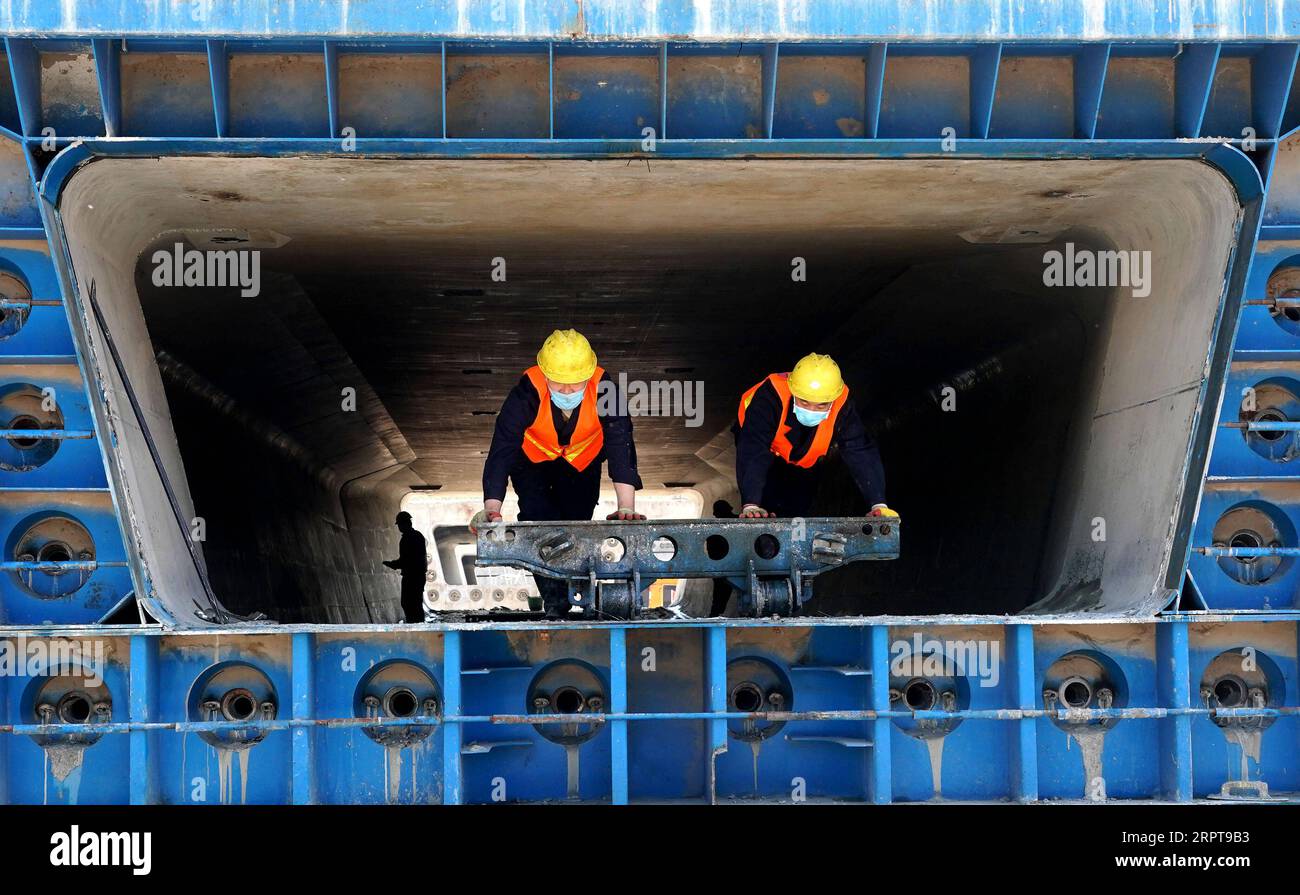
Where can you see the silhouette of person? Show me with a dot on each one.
(413, 562)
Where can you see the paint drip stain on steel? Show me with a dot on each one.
(574, 773)
(1249, 741)
(63, 761)
(393, 771)
(225, 767)
(1091, 740)
(934, 745)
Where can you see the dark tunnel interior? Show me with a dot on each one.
(973, 376)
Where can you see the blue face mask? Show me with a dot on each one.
(810, 417)
(567, 401)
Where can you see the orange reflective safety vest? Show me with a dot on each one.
(781, 445)
(541, 443)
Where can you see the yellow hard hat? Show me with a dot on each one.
(816, 378)
(566, 357)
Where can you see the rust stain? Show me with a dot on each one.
(849, 127)
(821, 97)
(580, 24)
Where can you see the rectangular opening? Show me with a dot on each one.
(1138, 96)
(295, 421)
(605, 96)
(820, 96)
(8, 99)
(498, 95)
(1229, 107)
(1034, 97)
(714, 96)
(923, 95)
(391, 94)
(70, 91)
(167, 94)
(278, 95)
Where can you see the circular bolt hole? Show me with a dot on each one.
(867, 529)
(767, 546)
(1076, 693)
(1248, 539)
(24, 422)
(1271, 415)
(663, 548)
(400, 702)
(716, 547)
(884, 529)
(919, 695)
(747, 697)
(54, 551)
(74, 708)
(612, 550)
(238, 705)
(568, 701)
(1230, 692)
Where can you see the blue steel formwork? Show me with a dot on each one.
(1015, 79)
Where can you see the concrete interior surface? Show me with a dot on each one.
(1071, 404)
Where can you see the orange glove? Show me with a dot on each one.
(881, 510)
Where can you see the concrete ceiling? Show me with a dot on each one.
(675, 269)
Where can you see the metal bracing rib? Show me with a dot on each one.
(108, 70)
(1089, 80)
(1194, 75)
(984, 64)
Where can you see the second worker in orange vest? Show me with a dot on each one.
(785, 426)
(552, 438)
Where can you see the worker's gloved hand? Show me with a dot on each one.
(482, 517)
(881, 510)
(754, 511)
(625, 514)
(392, 563)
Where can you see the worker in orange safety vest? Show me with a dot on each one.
(551, 440)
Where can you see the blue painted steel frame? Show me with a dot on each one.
(835, 745)
(844, 738)
(957, 20)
